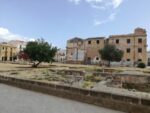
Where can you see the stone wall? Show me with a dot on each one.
(105, 99)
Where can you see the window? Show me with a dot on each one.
(97, 41)
(5, 58)
(117, 41)
(140, 60)
(89, 42)
(139, 50)
(10, 58)
(89, 58)
(140, 40)
(128, 50)
(128, 41)
(20, 46)
(3, 48)
(128, 60)
(97, 58)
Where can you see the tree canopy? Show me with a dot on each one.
(111, 53)
(40, 51)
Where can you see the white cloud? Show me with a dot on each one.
(116, 3)
(32, 39)
(112, 16)
(109, 5)
(75, 1)
(100, 22)
(100, 4)
(6, 35)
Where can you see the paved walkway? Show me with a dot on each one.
(15, 100)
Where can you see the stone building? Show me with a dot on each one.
(148, 58)
(134, 46)
(86, 51)
(92, 47)
(7, 52)
(20, 45)
(75, 50)
(60, 56)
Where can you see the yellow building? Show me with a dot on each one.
(7, 52)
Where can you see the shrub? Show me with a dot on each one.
(92, 78)
(87, 85)
(141, 65)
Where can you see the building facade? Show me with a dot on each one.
(20, 45)
(148, 58)
(86, 51)
(60, 56)
(92, 47)
(7, 52)
(133, 45)
(75, 51)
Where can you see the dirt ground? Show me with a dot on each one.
(53, 73)
(9, 66)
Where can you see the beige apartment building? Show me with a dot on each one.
(86, 51)
(7, 52)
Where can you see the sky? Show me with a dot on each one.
(59, 20)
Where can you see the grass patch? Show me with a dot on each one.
(92, 78)
(87, 84)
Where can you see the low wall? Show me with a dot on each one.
(113, 101)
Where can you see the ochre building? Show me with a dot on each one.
(7, 52)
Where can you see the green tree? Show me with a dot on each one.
(40, 51)
(111, 53)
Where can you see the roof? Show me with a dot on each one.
(126, 35)
(76, 39)
(17, 42)
(6, 44)
(95, 38)
(137, 32)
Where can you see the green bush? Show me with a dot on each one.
(141, 65)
